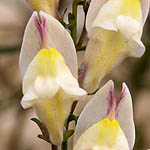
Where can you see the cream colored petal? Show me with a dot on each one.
(105, 50)
(137, 47)
(127, 26)
(107, 14)
(145, 9)
(60, 39)
(94, 8)
(55, 33)
(53, 114)
(30, 46)
(42, 69)
(80, 21)
(28, 97)
(94, 111)
(125, 116)
(45, 88)
(68, 82)
(104, 135)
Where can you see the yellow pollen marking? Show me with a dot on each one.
(47, 62)
(131, 8)
(108, 133)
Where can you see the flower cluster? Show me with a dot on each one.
(53, 80)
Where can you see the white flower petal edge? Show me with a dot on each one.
(125, 116)
(93, 10)
(55, 33)
(30, 45)
(28, 96)
(107, 15)
(98, 107)
(145, 4)
(96, 5)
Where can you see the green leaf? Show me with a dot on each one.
(68, 134)
(81, 48)
(73, 118)
(38, 122)
(43, 138)
(71, 18)
(9, 49)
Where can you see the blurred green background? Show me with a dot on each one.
(17, 131)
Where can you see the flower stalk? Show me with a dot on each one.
(54, 147)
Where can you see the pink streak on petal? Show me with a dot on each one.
(122, 95)
(41, 26)
(111, 100)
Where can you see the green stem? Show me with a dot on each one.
(64, 145)
(74, 12)
(4, 50)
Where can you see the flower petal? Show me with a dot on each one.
(145, 4)
(105, 134)
(136, 46)
(44, 65)
(45, 88)
(68, 82)
(28, 97)
(93, 10)
(105, 50)
(125, 116)
(60, 39)
(55, 33)
(127, 26)
(30, 45)
(53, 113)
(94, 111)
(111, 9)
